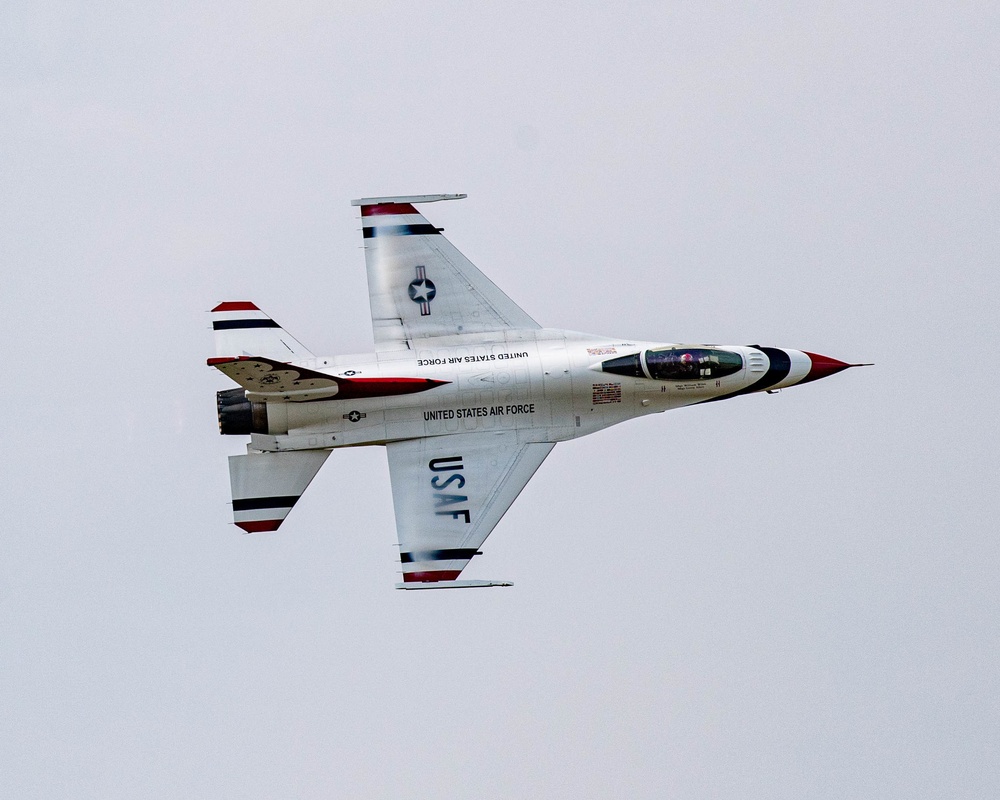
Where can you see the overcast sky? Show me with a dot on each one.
(780, 596)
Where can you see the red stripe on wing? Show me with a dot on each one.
(431, 576)
(386, 209)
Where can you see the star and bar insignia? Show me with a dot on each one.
(422, 291)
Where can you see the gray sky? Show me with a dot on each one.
(779, 596)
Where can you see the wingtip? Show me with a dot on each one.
(456, 584)
(406, 198)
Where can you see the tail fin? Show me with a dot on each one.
(243, 329)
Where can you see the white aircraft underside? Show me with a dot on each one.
(467, 393)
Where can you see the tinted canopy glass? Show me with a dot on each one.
(624, 365)
(691, 364)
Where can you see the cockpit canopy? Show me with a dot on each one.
(676, 364)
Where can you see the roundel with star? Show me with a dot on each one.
(422, 290)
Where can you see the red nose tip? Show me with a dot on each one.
(824, 366)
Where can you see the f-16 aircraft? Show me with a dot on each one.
(466, 392)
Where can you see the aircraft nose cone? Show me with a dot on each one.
(824, 366)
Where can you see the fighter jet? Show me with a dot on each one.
(466, 392)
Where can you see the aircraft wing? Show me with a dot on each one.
(419, 284)
(449, 492)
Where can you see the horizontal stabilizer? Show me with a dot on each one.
(266, 485)
(453, 585)
(267, 380)
(243, 329)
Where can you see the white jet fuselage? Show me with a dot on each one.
(548, 385)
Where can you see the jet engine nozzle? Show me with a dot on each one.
(238, 416)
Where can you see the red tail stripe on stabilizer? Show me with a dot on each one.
(260, 525)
